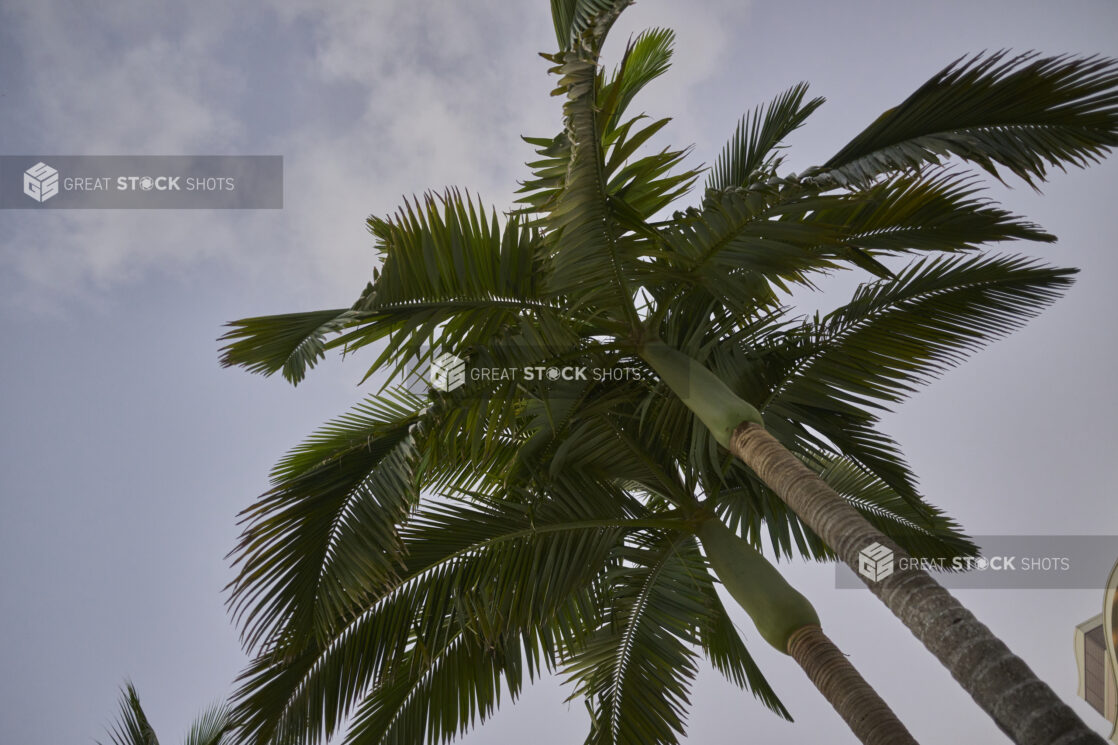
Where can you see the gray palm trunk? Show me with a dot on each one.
(843, 686)
(787, 621)
(1023, 705)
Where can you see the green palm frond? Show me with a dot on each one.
(740, 250)
(934, 211)
(468, 439)
(437, 695)
(826, 381)
(292, 342)
(451, 271)
(591, 436)
(212, 727)
(756, 138)
(325, 535)
(637, 669)
(132, 726)
(646, 58)
(549, 174)
(597, 206)
(592, 257)
(638, 187)
(895, 335)
(925, 533)
(1025, 113)
(489, 568)
(641, 187)
(855, 434)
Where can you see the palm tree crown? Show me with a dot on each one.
(557, 529)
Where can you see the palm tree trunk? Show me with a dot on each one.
(787, 621)
(841, 684)
(1023, 706)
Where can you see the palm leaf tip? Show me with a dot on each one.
(291, 343)
(647, 57)
(758, 136)
(1025, 113)
(936, 210)
(132, 726)
(211, 727)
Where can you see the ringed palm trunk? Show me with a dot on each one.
(1021, 704)
(786, 620)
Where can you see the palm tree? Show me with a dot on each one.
(212, 727)
(586, 267)
(583, 561)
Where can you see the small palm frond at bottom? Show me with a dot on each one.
(213, 726)
(132, 726)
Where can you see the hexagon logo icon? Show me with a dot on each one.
(448, 372)
(40, 182)
(875, 562)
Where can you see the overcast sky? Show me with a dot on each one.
(126, 451)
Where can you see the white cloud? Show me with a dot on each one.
(436, 103)
(132, 86)
(436, 94)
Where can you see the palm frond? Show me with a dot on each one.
(325, 535)
(132, 726)
(757, 136)
(851, 432)
(291, 342)
(646, 58)
(213, 726)
(1025, 113)
(639, 187)
(924, 533)
(740, 250)
(826, 382)
(452, 275)
(637, 670)
(895, 335)
(437, 695)
(489, 567)
(549, 174)
(933, 211)
(592, 259)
